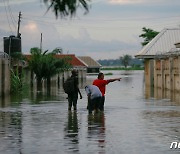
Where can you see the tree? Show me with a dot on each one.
(148, 35)
(65, 8)
(125, 60)
(45, 65)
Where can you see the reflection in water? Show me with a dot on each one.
(96, 130)
(55, 92)
(163, 125)
(10, 132)
(71, 132)
(4, 101)
(131, 124)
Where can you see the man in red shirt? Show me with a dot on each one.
(101, 84)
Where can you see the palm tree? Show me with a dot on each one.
(125, 60)
(65, 8)
(45, 65)
(148, 35)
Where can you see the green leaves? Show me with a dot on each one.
(65, 8)
(148, 35)
(125, 60)
(45, 64)
(16, 82)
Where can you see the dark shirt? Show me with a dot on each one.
(76, 83)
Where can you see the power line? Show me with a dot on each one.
(11, 15)
(87, 26)
(105, 19)
(7, 16)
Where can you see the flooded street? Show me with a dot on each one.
(136, 120)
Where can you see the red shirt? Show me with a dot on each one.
(101, 84)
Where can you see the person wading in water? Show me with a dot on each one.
(101, 84)
(71, 88)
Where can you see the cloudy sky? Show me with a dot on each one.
(110, 29)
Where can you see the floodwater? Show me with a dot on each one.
(136, 120)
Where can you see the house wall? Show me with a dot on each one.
(149, 72)
(57, 80)
(4, 76)
(93, 70)
(166, 73)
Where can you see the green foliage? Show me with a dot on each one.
(123, 68)
(108, 73)
(65, 8)
(125, 60)
(17, 84)
(148, 35)
(117, 62)
(17, 76)
(17, 56)
(45, 64)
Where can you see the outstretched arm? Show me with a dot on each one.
(112, 80)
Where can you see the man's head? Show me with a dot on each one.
(101, 76)
(74, 72)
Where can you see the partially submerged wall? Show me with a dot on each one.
(165, 74)
(4, 76)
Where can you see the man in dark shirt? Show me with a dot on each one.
(73, 97)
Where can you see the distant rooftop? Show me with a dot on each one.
(161, 44)
(73, 60)
(89, 61)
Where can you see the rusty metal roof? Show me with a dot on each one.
(161, 44)
(73, 60)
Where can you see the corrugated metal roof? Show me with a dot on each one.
(161, 44)
(89, 61)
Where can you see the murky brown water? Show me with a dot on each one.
(136, 120)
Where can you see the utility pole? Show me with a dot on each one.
(19, 20)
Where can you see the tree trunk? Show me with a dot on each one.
(39, 84)
(48, 85)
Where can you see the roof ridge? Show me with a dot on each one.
(156, 38)
(81, 61)
(161, 42)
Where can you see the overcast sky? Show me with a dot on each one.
(111, 28)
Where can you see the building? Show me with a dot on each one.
(76, 64)
(92, 65)
(162, 60)
(4, 74)
(58, 79)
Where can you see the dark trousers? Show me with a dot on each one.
(101, 106)
(94, 104)
(72, 100)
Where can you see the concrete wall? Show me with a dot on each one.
(165, 74)
(57, 80)
(149, 72)
(4, 76)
